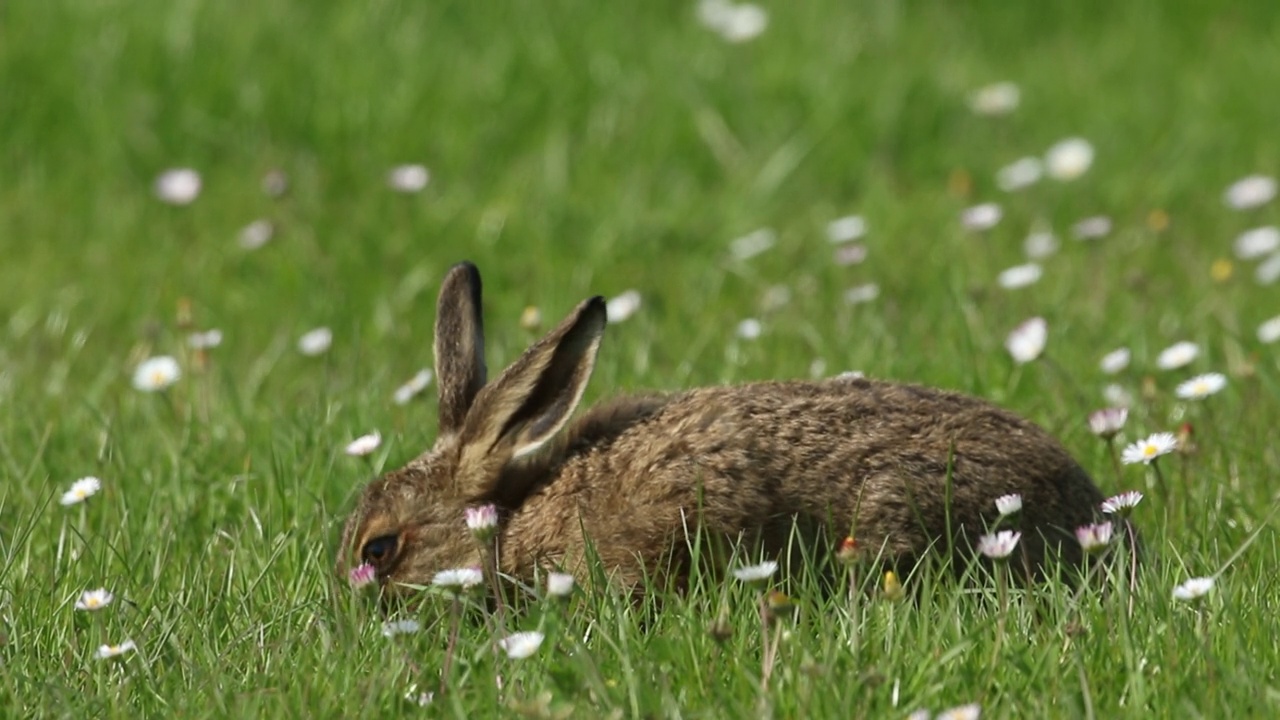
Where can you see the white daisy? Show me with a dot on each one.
(180, 186)
(860, 294)
(851, 254)
(756, 573)
(1269, 330)
(1193, 589)
(157, 373)
(206, 340)
(1040, 244)
(1093, 538)
(1177, 355)
(981, 217)
(559, 584)
(1117, 396)
(846, 229)
(412, 387)
(623, 306)
(1019, 276)
(392, 628)
(1027, 341)
(999, 98)
(1069, 159)
(1149, 449)
(753, 243)
(458, 578)
(521, 645)
(1202, 386)
(1268, 271)
(363, 445)
(1021, 173)
(749, 329)
(256, 234)
(315, 342)
(1009, 504)
(1250, 192)
(94, 599)
(972, 711)
(1108, 422)
(998, 546)
(1255, 243)
(81, 490)
(421, 699)
(110, 651)
(1092, 228)
(1115, 361)
(1122, 504)
(408, 178)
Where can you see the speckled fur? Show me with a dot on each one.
(635, 475)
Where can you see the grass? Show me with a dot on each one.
(578, 149)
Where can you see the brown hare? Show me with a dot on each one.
(905, 470)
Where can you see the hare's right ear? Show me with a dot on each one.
(459, 345)
(531, 400)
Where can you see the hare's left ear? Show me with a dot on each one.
(459, 345)
(533, 398)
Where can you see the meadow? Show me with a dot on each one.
(788, 195)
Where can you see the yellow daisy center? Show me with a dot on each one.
(1149, 451)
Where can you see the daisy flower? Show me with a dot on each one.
(157, 373)
(1115, 361)
(392, 628)
(1093, 538)
(1193, 589)
(1177, 355)
(1122, 504)
(1108, 422)
(851, 254)
(81, 490)
(1027, 341)
(206, 340)
(999, 546)
(521, 645)
(846, 229)
(1269, 331)
(860, 294)
(315, 342)
(1092, 228)
(458, 578)
(110, 651)
(408, 178)
(1148, 450)
(1009, 504)
(1069, 159)
(1040, 244)
(482, 521)
(981, 217)
(362, 575)
(999, 98)
(623, 306)
(756, 573)
(412, 387)
(749, 329)
(1117, 395)
(1268, 271)
(180, 186)
(1202, 386)
(1019, 276)
(363, 445)
(1250, 192)
(559, 584)
(1256, 243)
(1021, 173)
(94, 599)
(972, 711)
(256, 234)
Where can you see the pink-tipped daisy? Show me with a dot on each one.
(1094, 538)
(999, 546)
(1122, 504)
(1106, 423)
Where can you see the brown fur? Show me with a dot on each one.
(894, 465)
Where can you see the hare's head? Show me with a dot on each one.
(410, 523)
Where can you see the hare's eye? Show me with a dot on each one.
(379, 549)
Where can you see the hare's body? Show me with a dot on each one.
(879, 461)
(906, 470)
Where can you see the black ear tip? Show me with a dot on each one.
(596, 306)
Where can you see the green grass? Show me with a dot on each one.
(580, 148)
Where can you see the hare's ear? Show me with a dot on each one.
(525, 406)
(459, 346)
